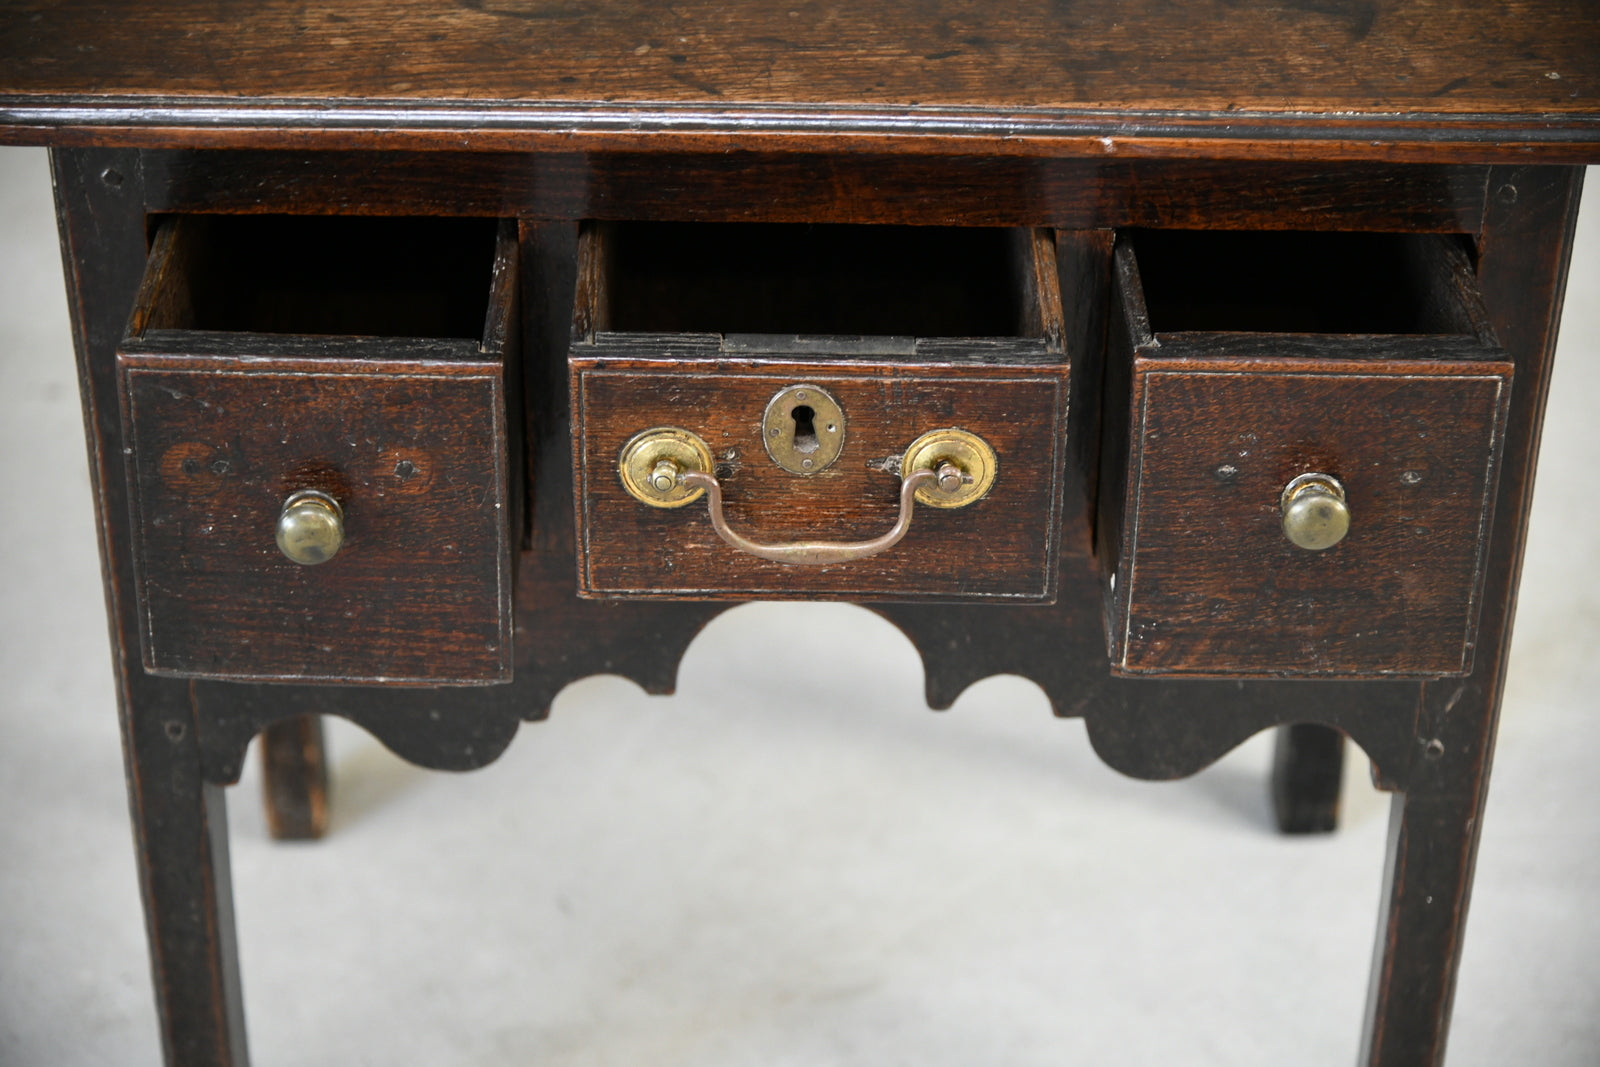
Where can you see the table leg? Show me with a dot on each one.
(1307, 771)
(1524, 246)
(1433, 845)
(179, 818)
(294, 778)
(181, 839)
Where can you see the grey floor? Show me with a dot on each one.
(790, 863)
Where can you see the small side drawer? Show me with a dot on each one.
(1254, 369)
(807, 361)
(360, 359)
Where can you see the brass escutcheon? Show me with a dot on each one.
(803, 428)
(974, 462)
(654, 461)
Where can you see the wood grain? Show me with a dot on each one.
(742, 312)
(294, 778)
(1273, 77)
(1204, 580)
(178, 811)
(410, 436)
(854, 187)
(1434, 829)
(980, 551)
(184, 735)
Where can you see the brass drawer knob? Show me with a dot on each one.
(310, 527)
(1315, 515)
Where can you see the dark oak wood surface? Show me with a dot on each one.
(421, 590)
(1209, 584)
(294, 778)
(1364, 78)
(734, 186)
(1002, 547)
(699, 326)
(407, 433)
(1241, 361)
(1430, 741)
(1307, 778)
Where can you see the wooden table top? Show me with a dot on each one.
(1319, 79)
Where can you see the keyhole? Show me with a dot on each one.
(805, 431)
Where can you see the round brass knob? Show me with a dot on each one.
(664, 476)
(310, 527)
(1315, 515)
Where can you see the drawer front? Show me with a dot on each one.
(721, 334)
(1299, 503)
(1002, 547)
(1211, 584)
(264, 398)
(420, 589)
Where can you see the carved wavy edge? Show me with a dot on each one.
(465, 728)
(1153, 729)
(1148, 729)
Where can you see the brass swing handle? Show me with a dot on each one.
(813, 553)
(669, 467)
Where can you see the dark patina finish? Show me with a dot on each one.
(1432, 126)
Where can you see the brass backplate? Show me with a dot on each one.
(803, 429)
(644, 456)
(968, 452)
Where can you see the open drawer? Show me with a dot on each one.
(1304, 433)
(810, 372)
(315, 416)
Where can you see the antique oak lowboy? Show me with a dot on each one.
(1188, 360)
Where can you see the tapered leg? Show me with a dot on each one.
(1433, 842)
(181, 835)
(294, 778)
(1524, 245)
(179, 819)
(1307, 771)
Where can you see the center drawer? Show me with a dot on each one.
(811, 372)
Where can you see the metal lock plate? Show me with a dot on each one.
(803, 429)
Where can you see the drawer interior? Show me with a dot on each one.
(329, 276)
(734, 278)
(1295, 282)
